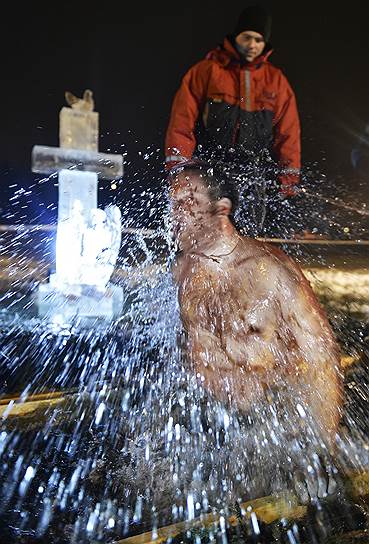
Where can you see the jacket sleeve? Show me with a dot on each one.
(287, 138)
(189, 100)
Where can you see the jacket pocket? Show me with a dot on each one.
(209, 110)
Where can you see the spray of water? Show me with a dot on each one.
(135, 441)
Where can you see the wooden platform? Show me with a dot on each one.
(14, 406)
(265, 509)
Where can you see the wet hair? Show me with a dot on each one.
(214, 177)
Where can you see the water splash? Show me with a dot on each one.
(133, 441)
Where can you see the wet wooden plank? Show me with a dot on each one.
(49, 395)
(14, 409)
(13, 406)
(266, 509)
(358, 484)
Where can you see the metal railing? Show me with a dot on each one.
(150, 233)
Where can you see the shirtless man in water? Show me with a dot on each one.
(253, 323)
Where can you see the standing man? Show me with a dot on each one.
(236, 107)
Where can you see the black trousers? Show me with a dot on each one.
(262, 209)
(268, 214)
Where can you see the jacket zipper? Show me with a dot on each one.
(248, 90)
(247, 103)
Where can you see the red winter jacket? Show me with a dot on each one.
(246, 107)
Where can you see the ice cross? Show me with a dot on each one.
(77, 154)
(79, 164)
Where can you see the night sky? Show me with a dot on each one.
(133, 58)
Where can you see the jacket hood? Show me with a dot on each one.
(226, 54)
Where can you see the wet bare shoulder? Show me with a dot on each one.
(261, 266)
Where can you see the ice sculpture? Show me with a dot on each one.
(88, 238)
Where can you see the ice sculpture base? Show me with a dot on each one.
(79, 302)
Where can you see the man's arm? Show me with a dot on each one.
(287, 138)
(319, 377)
(180, 140)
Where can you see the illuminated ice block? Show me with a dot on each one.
(87, 247)
(76, 186)
(50, 160)
(78, 129)
(79, 302)
(77, 196)
(88, 238)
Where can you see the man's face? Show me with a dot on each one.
(250, 44)
(192, 209)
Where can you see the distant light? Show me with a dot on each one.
(114, 186)
(346, 230)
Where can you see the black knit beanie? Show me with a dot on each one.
(254, 18)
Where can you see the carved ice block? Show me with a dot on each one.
(49, 160)
(53, 303)
(79, 129)
(77, 197)
(81, 186)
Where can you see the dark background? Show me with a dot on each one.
(133, 56)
